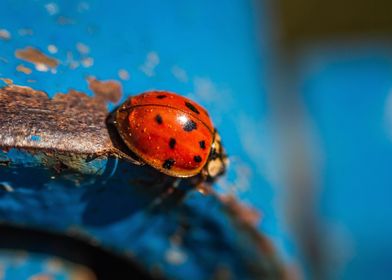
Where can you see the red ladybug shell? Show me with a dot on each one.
(167, 131)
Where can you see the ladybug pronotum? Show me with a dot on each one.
(172, 134)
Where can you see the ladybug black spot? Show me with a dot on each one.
(172, 143)
(168, 163)
(197, 158)
(192, 107)
(158, 119)
(161, 96)
(202, 144)
(189, 125)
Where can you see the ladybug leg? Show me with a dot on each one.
(204, 188)
(129, 158)
(201, 183)
(167, 193)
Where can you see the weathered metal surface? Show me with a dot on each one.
(72, 123)
(66, 131)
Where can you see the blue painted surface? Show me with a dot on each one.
(17, 158)
(193, 239)
(206, 50)
(35, 138)
(210, 51)
(347, 91)
(214, 46)
(24, 265)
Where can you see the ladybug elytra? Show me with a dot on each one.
(172, 134)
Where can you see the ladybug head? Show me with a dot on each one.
(217, 160)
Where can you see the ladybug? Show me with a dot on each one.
(171, 133)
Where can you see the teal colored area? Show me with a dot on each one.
(36, 138)
(17, 158)
(24, 265)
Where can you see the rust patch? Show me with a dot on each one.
(22, 90)
(70, 128)
(110, 90)
(247, 218)
(72, 122)
(41, 276)
(7, 81)
(23, 69)
(5, 35)
(82, 48)
(244, 212)
(123, 74)
(36, 57)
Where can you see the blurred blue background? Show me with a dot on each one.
(303, 105)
